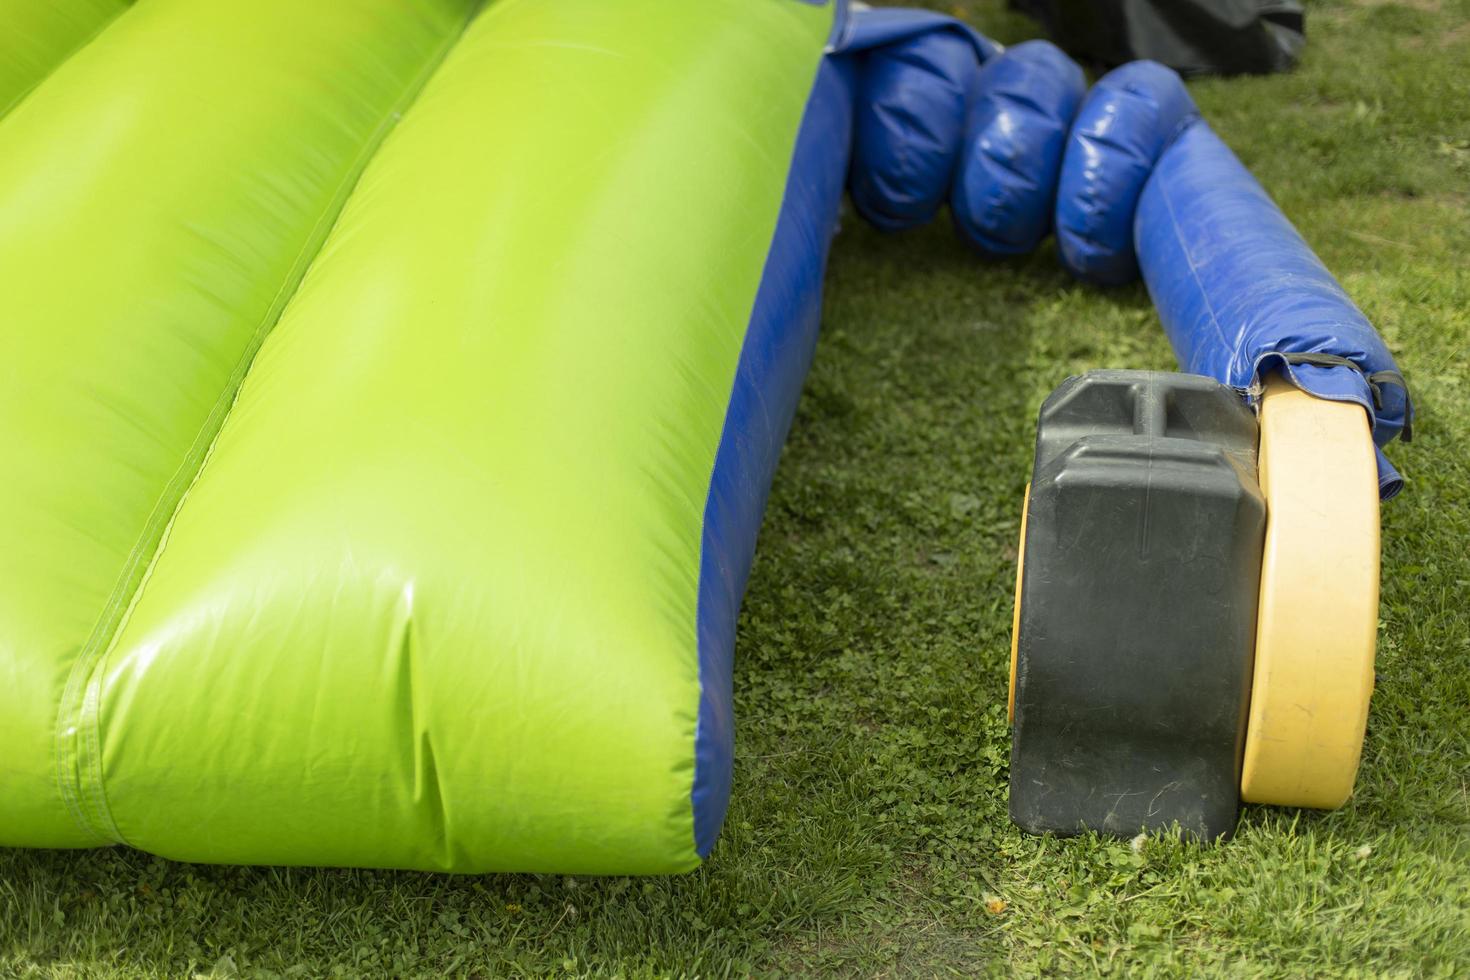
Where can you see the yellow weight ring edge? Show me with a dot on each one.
(1016, 609)
(1317, 622)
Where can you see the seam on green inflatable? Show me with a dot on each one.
(78, 738)
(24, 93)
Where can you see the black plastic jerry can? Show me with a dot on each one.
(1137, 607)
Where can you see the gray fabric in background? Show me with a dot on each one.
(1194, 37)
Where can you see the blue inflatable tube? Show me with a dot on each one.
(909, 123)
(916, 73)
(1005, 186)
(1241, 294)
(1125, 122)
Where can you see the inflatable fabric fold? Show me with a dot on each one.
(447, 579)
(36, 36)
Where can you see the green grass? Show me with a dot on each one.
(868, 831)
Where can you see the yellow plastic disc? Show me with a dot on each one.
(1016, 610)
(1317, 625)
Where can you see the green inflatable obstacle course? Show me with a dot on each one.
(352, 511)
(392, 390)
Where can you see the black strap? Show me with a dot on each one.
(1376, 380)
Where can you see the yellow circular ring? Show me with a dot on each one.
(1317, 623)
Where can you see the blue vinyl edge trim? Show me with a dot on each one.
(774, 358)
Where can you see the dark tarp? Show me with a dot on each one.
(1194, 37)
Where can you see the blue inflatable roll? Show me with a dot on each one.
(1240, 293)
(1006, 182)
(910, 119)
(917, 75)
(1125, 123)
